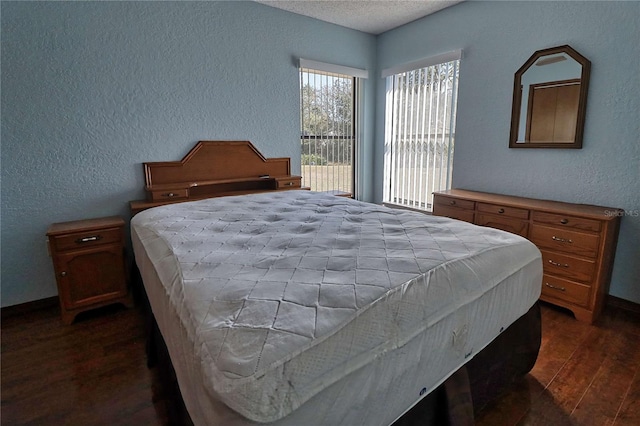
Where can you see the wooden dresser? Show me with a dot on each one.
(214, 169)
(577, 241)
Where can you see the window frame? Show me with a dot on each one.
(356, 77)
(411, 138)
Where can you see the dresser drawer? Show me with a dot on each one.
(568, 291)
(80, 240)
(440, 200)
(569, 267)
(453, 213)
(576, 223)
(505, 223)
(173, 194)
(503, 210)
(290, 182)
(565, 240)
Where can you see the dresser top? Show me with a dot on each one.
(583, 210)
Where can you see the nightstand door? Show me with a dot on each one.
(91, 276)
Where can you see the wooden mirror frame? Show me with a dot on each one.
(582, 102)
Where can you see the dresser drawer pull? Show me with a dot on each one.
(88, 239)
(562, 265)
(562, 240)
(555, 287)
(170, 194)
(288, 184)
(564, 221)
(500, 211)
(453, 203)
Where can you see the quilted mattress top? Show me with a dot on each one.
(283, 293)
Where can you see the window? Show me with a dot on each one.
(328, 124)
(420, 121)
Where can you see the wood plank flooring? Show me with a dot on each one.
(584, 375)
(94, 372)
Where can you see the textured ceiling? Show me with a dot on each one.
(370, 16)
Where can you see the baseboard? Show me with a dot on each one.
(25, 308)
(627, 305)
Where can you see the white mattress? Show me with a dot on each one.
(297, 307)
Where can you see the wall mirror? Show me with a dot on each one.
(550, 100)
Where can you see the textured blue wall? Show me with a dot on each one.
(497, 38)
(90, 90)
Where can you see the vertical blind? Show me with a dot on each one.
(420, 130)
(327, 130)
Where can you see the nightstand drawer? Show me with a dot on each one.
(79, 240)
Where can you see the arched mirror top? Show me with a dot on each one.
(549, 100)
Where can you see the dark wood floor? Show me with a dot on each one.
(94, 372)
(585, 375)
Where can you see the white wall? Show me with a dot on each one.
(497, 38)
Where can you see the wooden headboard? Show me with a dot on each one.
(214, 169)
(216, 160)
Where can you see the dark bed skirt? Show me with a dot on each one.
(484, 378)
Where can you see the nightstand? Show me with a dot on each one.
(89, 263)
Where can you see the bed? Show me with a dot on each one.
(302, 308)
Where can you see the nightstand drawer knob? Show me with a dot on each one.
(63, 274)
(564, 221)
(500, 211)
(88, 239)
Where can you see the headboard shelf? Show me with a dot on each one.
(208, 183)
(214, 169)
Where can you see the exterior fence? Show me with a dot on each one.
(327, 163)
